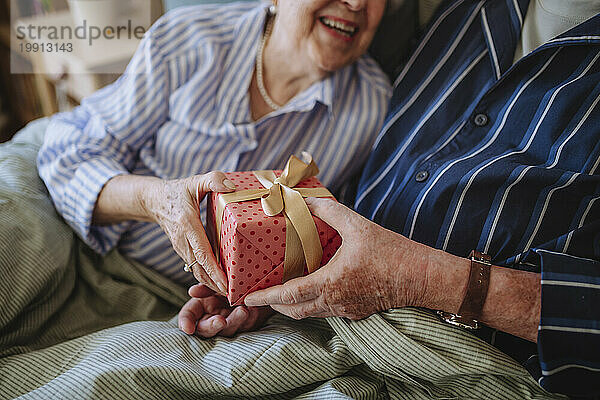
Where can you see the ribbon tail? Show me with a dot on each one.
(272, 203)
(302, 221)
(293, 263)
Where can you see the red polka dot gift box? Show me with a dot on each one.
(251, 246)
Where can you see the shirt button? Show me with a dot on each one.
(481, 120)
(421, 176)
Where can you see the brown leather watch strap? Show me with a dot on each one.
(479, 281)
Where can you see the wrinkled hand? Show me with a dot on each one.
(373, 270)
(207, 314)
(174, 205)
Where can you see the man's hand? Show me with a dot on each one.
(207, 314)
(373, 270)
(376, 269)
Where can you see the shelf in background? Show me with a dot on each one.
(38, 92)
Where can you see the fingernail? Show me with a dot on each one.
(229, 184)
(218, 324)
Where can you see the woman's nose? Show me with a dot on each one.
(355, 5)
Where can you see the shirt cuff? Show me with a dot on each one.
(569, 331)
(81, 195)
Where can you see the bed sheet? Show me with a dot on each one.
(79, 326)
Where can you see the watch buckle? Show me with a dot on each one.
(458, 320)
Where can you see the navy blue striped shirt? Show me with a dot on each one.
(478, 153)
(182, 108)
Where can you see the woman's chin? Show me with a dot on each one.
(330, 54)
(332, 64)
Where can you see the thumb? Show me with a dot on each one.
(333, 213)
(215, 181)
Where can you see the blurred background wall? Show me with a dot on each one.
(30, 88)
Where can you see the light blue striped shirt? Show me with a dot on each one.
(182, 108)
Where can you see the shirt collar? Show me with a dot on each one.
(322, 92)
(587, 32)
(239, 66)
(502, 22)
(501, 37)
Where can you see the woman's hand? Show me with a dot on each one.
(373, 270)
(174, 205)
(208, 315)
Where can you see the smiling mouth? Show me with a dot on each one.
(343, 28)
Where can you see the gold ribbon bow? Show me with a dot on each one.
(302, 244)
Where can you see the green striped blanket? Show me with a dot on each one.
(74, 325)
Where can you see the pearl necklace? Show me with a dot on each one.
(259, 68)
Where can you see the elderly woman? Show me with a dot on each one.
(234, 87)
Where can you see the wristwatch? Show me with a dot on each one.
(479, 280)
